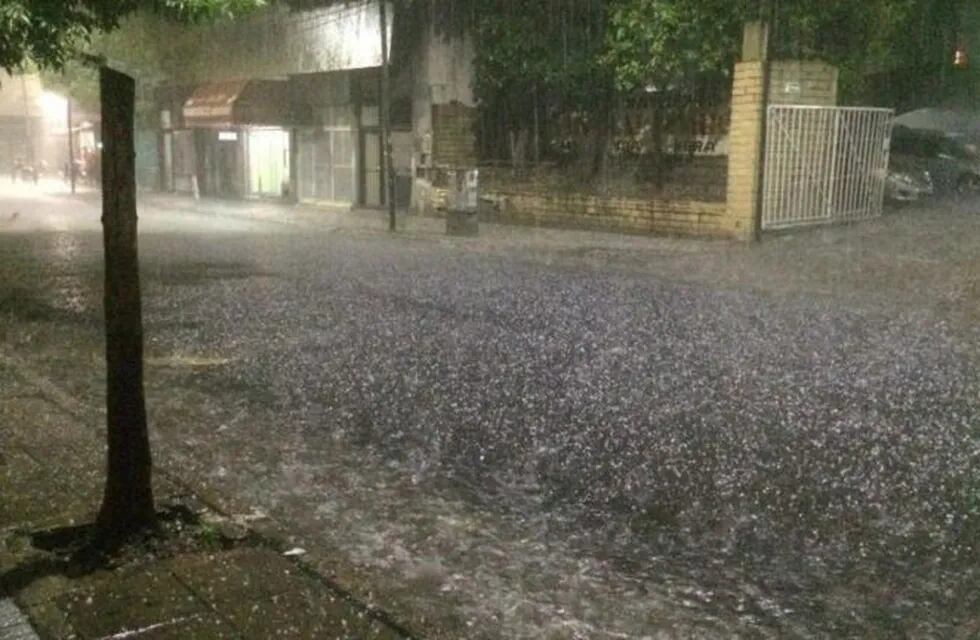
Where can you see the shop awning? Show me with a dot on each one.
(238, 103)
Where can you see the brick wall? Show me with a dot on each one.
(453, 135)
(792, 83)
(701, 178)
(579, 211)
(624, 215)
(744, 149)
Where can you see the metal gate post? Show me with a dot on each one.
(830, 198)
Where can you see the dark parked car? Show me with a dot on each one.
(951, 166)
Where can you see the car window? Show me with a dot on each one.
(920, 146)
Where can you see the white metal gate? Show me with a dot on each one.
(824, 164)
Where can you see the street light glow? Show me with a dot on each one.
(54, 106)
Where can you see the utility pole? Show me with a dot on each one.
(389, 168)
(71, 149)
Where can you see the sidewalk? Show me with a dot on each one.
(274, 211)
(211, 576)
(493, 236)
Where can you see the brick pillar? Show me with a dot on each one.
(745, 148)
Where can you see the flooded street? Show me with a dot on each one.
(558, 436)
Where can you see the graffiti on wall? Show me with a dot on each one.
(697, 145)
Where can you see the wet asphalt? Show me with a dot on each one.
(582, 449)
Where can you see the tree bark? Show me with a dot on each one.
(127, 504)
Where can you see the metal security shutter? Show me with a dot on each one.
(326, 165)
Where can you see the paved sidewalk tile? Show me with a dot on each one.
(51, 470)
(231, 575)
(193, 628)
(304, 615)
(122, 601)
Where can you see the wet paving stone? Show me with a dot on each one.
(108, 603)
(33, 503)
(305, 614)
(50, 622)
(205, 627)
(240, 573)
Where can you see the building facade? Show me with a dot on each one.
(286, 105)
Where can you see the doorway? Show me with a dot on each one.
(268, 162)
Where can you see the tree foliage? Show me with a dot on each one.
(537, 60)
(144, 45)
(659, 42)
(569, 45)
(663, 41)
(52, 32)
(551, 46)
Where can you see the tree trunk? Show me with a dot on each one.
(518, 152)
(537, 130)
(127, 505)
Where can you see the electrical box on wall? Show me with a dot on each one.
(422, 158)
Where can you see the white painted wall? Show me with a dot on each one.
(276, 42)
(450, 70)
(444, 74)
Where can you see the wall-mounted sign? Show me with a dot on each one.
(228, 136)
(697, 145)
(961, 60)
(792, 88)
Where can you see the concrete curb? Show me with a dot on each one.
(14, 625)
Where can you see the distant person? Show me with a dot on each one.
(18, 167)
(93, 167)
(84, 162)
